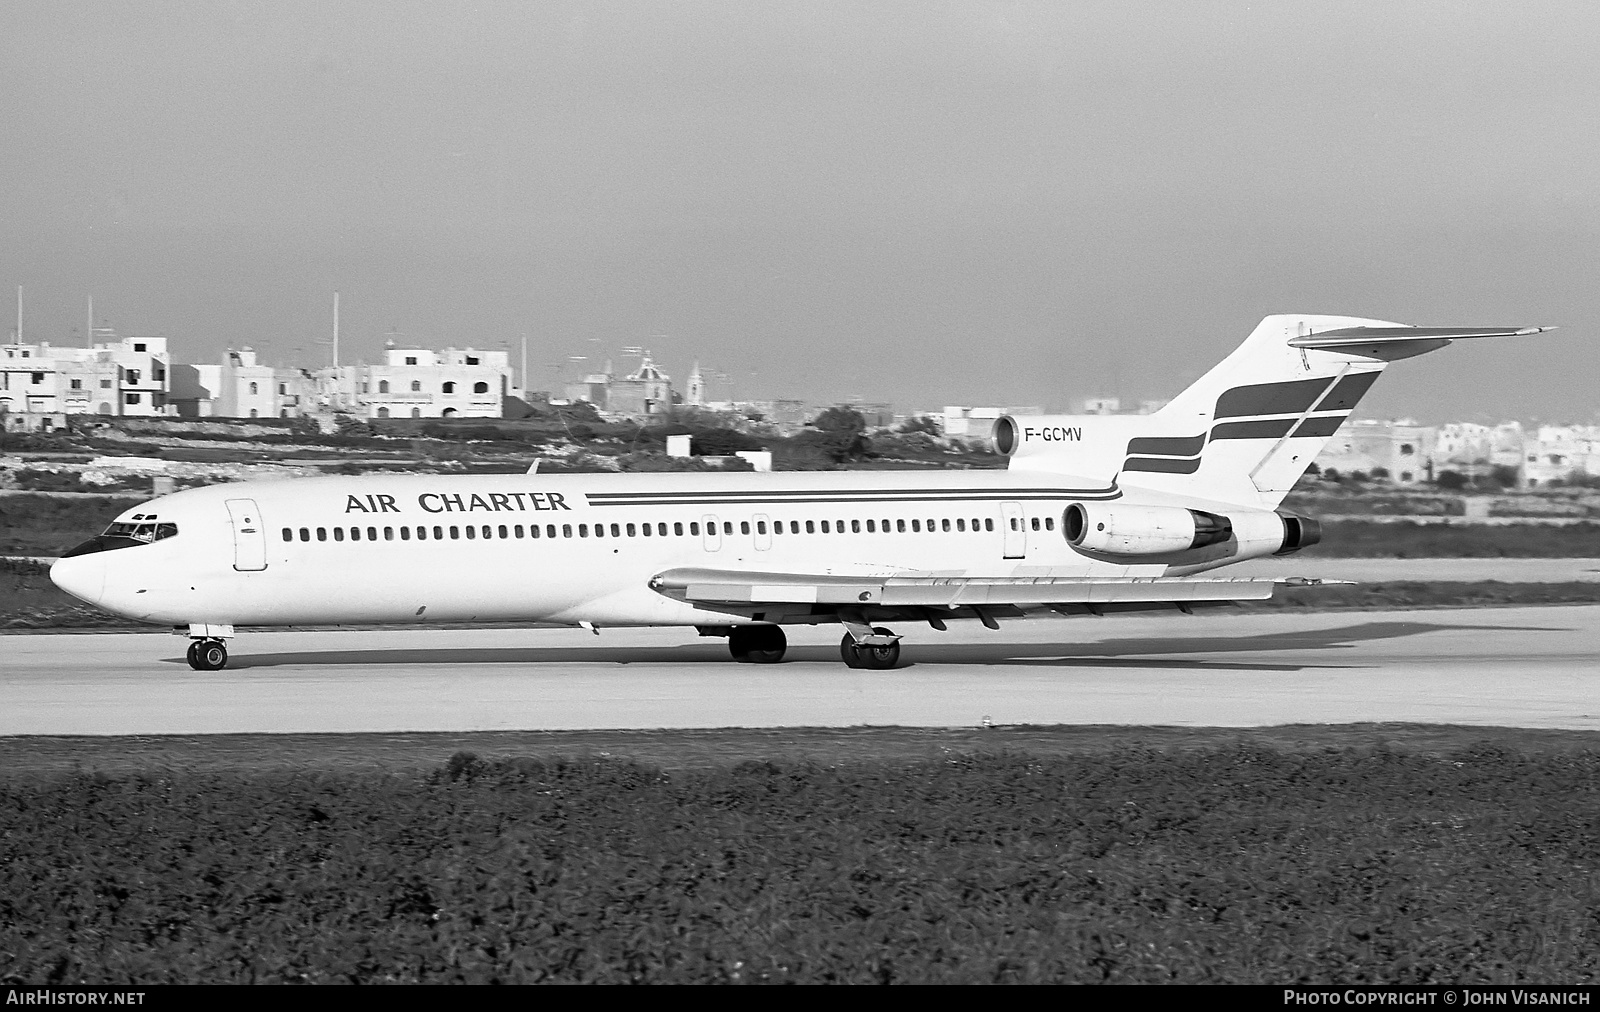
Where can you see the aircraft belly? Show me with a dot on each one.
(409, 590)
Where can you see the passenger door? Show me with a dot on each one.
(763, 532)
(711, 533)
(1015, 527)
(249, 536)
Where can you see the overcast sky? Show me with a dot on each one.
(962, 203)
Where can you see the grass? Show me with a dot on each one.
(1412, 594)
(1224, 863)
(1403, 540)
(28, 600)
(47, 525)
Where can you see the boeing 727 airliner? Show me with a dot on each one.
(1094, 514)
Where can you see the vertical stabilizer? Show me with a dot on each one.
(1247, 430)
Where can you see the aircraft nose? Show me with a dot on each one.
(84, 577)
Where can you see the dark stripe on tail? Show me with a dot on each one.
(1162, 465)
(1320, 426)
(1289, 398)
(1350, 390)
(1168, 446)
(1270, 428)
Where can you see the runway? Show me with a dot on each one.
(1519, 667)
(1443, 570)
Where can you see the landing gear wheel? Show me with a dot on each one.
(850, 652)
(881, 658)
(871, 657)
(760, 644)
(208, 655)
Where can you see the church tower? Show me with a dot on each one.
(696, 394)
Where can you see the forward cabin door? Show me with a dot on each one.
(763, 532)
(249, 536)
(1015, 527)
(711, 533)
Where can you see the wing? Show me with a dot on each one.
(726, 590)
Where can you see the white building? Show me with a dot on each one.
(453, 383)
(246, 389)
(1403, 449)
(1557, 452)
(128, 377)
(241, 387)
(1474, 450)
(411, 383)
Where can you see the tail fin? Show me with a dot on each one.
(1248, 429)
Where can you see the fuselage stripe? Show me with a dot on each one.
(845, 493)
(845, 501)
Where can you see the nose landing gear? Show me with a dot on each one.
(208, 655)
(207, 651)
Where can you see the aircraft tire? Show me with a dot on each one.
(850, 652)
(209, 655)
(880, 658)
(771, 646)
(762, 644)
(194, 654)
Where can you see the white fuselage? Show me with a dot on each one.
(569, 548)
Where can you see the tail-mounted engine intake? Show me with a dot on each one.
(1134, 531)
(1087, 446)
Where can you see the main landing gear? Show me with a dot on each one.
(877, 652)
(207, 655)
(757, 644)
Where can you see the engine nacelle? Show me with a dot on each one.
(1090, 446)
(1016, 435)
(1115, 529)
(1125, 531)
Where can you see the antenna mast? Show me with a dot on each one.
(336, 336)
(19, 314)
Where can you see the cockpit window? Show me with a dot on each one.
(143, 532)
(125, 534)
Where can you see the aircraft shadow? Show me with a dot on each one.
(1131, 652)
(1128, 653)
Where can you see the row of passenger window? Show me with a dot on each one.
(959, 525)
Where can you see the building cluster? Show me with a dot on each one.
(41, 384)
(1412, 454)
(645, 391)
(128, 377)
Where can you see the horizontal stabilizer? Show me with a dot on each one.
(1347, 338)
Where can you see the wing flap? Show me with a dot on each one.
(732, 588)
